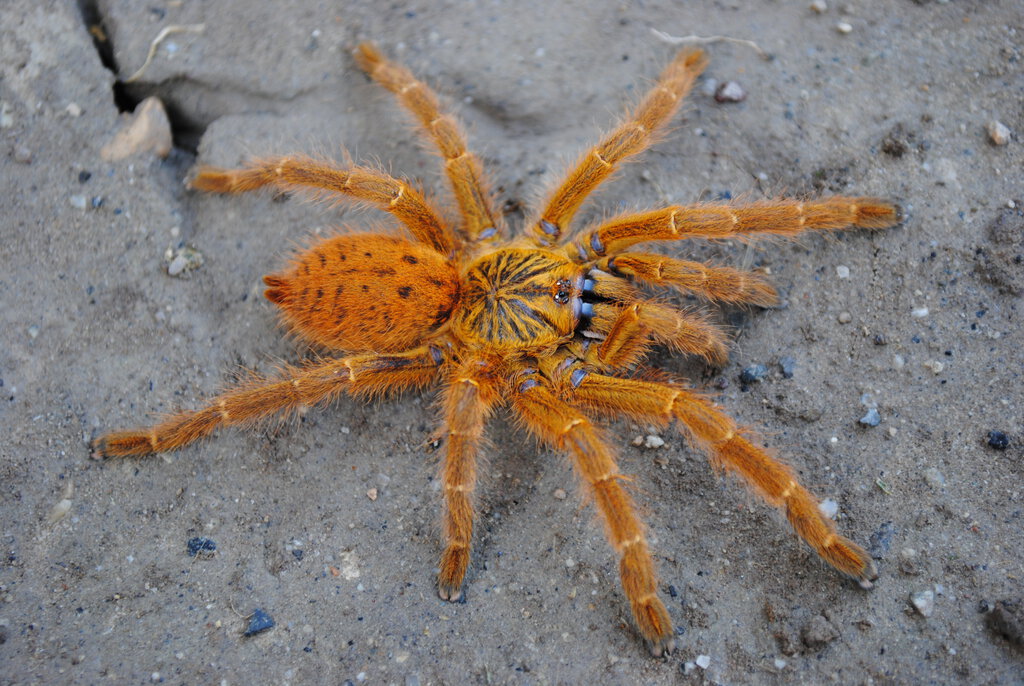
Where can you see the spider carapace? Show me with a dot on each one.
(553, 324)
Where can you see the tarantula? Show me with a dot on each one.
(550, 322)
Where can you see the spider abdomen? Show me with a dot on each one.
(366, 292)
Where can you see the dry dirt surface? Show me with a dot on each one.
(126, 295)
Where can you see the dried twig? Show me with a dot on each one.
(166, 31)
(703, 40)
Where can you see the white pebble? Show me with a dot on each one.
(934, 365)
(653, 441)
(177, 265)
(819, 6)
(842, 271)
(829, 508)
(74, 109)
(703, 661)
(78, 202)
(923, 602)
(559, 494)
(730, 91)
(919, 312)
(844, 27)
(998, 132)
(845, 317)
(779, 662)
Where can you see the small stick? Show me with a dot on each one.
(704, 40)
(166, 31)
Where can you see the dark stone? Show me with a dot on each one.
(259, 622)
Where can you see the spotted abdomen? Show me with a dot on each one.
(366, 292)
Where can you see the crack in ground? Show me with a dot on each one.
(186, 131)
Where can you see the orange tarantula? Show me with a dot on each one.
(550, 322)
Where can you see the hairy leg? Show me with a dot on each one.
(633, 136)
(722, 284)
(358, 183)
(462, 167)
(468, 400)
(716, 432)
(260, 398)
(559, 425)
(769, 217)
(627, 328)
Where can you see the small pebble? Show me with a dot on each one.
(998, 133)
(703, 661)
(372, 494)
(59, 511)
(844, 27)
(845, 317)
(842, 271)
(22, 155)
(829, 508)
(200, 544)
(689, 667)
(909, 562)
(74, 109)
(652, 441)
(923, 602)
(818, 633)
(788, 365)
(709, 87)
(879, 541)
(934, 365)
(871, 418)
(934, 478)
(78, 202)
(779, 662)
(998, 440)
(186, 260)
(146, 130)
(259, 622)
(753, 373)
(919, 312)
(6, 118)
(819, 6)
(730, 91)
(559, 494)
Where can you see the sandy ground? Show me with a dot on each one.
(921, 323)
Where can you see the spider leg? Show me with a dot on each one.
(294, 389)
(627, 329)
(769, 217)
(463, 168)
(715, 283)
(716, 432)
(468, 400)
(558, 424)
(392, 195)
(631, 137)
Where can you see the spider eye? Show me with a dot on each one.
(563, 291)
